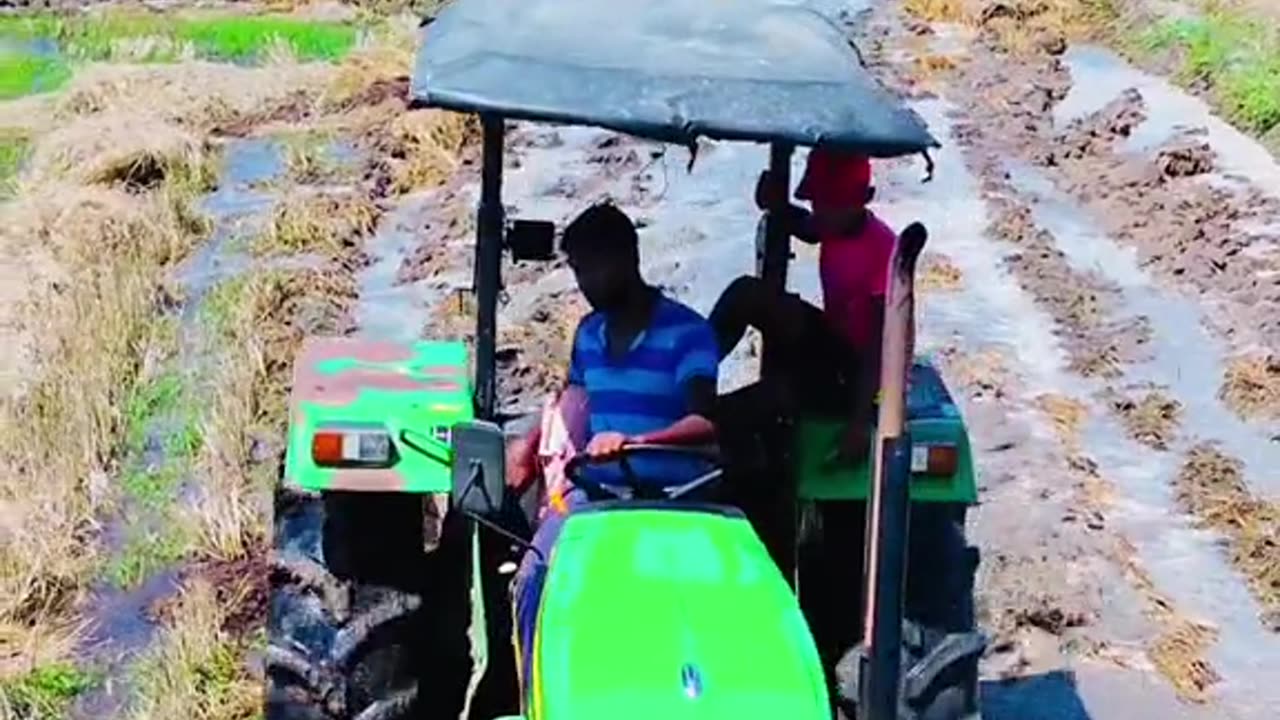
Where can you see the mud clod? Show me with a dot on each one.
(1185, 158)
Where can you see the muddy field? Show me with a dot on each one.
(1101, 289)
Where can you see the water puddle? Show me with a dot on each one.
(1186, 357)
(1099, 76)
(386, 308)
(158, 474)
(1187, 563)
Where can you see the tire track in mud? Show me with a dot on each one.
(1177, 650)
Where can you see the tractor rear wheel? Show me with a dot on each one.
(364, 623)
(941, 568)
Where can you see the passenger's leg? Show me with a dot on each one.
(749, 302)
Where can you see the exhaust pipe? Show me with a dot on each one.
(884, 583)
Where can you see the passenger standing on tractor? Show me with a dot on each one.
(644, 365)
(830, 358)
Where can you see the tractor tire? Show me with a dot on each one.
(940, 602)
(941, 570)
(364, 624)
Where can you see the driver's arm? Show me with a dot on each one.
(695, 428)
(695, 374)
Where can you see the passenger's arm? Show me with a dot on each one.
(796, 219)
(800, 225)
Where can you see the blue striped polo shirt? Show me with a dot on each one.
(643, 390)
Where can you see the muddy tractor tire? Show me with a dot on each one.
(364, 623)
(941, 641)
(941, 644)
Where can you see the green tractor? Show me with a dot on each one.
(777, 588)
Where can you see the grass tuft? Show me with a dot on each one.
(1151, 419)
(330, 223)
(124, 148)
(426, 147)
(1251, 387)
(45, 693)
(1178, 653)
(260, 322)
(63, 434)
(14, 147)
(1211, 487)
(1067, 414)
(938, 272)
(196, 670)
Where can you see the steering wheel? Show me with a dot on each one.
(639, 489)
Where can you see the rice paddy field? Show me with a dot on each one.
(186, 192)
(183, 196)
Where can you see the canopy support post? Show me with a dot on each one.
(488, 266)
(777, 246)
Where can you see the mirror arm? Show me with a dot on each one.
(477, 481)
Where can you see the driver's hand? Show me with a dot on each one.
(606, 445)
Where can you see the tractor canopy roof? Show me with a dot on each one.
(666, 70)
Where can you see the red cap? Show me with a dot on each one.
(835, 178)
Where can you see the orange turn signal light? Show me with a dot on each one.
(326, 448)
(336, 447)
(939, 460)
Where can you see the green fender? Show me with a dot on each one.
(670, 611)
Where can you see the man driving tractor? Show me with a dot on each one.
(830, 358)
(643, 367)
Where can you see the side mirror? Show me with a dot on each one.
(532, 240)
(479, 467)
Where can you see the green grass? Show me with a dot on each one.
(245, 37)
(153, 488)
(102, 36)
(24, 74)
(160, 395)
(1237, 57)
(45, 693)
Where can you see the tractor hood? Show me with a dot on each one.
(671, 612)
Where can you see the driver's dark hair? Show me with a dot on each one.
(602, 226)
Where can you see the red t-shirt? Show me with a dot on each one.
(855, 270)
